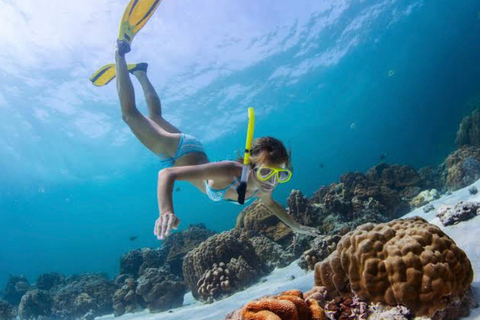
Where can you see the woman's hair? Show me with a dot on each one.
(269, 150)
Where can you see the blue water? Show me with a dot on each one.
(340, 82)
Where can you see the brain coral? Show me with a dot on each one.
(289, 305)
(406, 261)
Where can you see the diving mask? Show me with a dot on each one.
(265, 173)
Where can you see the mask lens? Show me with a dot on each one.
(283, 176)
(264, 173)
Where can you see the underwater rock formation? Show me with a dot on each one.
(302, 211)
(180, 243)
(320, 248)
(289, 305)
(7, 312)
(461, 211)
(469, 131)
(406, 261)
(85, 294)
(424, 197)
(49, 281)
(261, 221)
(462, 167)
(232, 248)
(379, 190)
(160, 289)
(271, 254)
(125, 299)
(34, 304)
(15, 288)
(135, 262)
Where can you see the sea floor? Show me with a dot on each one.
(466, 234)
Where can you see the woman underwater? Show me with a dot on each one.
(183, 157)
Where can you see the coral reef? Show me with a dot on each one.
(346, 308)
(84, 294)
(125, 299)
(289, 305)
(6, 310)
(320, 248)
(233, 249)
(34, 304)
(15, 288)
(49, 281)
(300, 209)
(180, 243)
(215, 282)
(406, 261)
(424, 197)
(271, 254)
(379, 312)
(462, 167)
(161, 289)
(135, 262)
(452, 214)
(469, 131)
(261, 221)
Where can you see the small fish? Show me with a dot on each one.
(320, 165)
(383, 156)
(353, 125)
(391, 72)
(133, 238)
(178, 189)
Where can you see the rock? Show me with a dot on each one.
(161, 289)
(406, 261)
(16, 287)
(462, 167)
(257, 219)
(320, 248)
(469, 131)
(424, 197)
(6, 310)
(180, 243)
(473, 190)
(271, 254)
(135, 262)
(82, 295)
(428, 208)
(461, 211)
(48, 281)
(34, 304)
(125, 299)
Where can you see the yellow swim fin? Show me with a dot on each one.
(136, 15)
(108, 72)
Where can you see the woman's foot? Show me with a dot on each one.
(123, 47)
(140, 67)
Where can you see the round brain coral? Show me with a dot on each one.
(405, 261)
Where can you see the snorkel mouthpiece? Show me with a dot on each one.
(242, 187)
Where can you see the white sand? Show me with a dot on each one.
(466, 234)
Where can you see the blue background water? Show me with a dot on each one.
(75, 184)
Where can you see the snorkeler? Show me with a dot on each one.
(183, 157)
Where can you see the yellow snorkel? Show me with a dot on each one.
(242, 187)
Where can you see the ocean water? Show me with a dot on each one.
(339, 81)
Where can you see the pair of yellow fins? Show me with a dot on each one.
(136, 15)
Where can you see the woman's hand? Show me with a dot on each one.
(307, 230)
(164, 224)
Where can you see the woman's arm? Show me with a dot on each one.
(166, 181)
(283, 215)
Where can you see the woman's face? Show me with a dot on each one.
(266, 186)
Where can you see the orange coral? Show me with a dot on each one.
(289, 305)
(406, 261)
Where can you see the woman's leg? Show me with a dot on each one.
(153, 136)
(153, 102)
